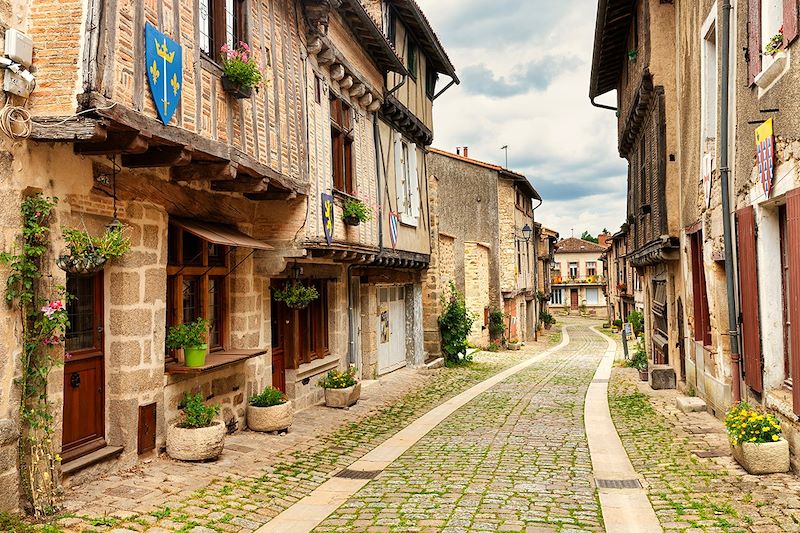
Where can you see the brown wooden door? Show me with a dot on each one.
(84, 371)
(278, 314)
(748, 293)
(574, 297)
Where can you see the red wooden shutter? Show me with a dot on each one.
(789, 20)
(754, 39)
(793, 236)
(748, 291)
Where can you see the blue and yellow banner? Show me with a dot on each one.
(164, 60)
(327, 217)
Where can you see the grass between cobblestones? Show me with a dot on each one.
(239, 503)
(688, 494)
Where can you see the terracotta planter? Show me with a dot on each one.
(352, 221)
(195, 444)
(766, 458)
(644, 375)
(274, 418)
(235, 90)
(341, 398)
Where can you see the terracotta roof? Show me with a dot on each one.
(504, 172)
(575, 245)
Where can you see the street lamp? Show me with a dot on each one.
(527, 232)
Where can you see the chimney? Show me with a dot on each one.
(602, 239)
(466, 151)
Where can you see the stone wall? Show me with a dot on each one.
(476, 293)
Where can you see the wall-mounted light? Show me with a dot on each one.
(527, 232)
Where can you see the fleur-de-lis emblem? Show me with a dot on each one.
(175, 84)
(154, 72)
(329, 215)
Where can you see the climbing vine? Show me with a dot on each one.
(44, 322)
(455, 324)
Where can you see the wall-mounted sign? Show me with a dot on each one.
(327, 217)
(393, 228)
(765, 149)
(385, 331)
(164, 61)
(708, 171)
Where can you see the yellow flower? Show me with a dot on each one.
(775, 437)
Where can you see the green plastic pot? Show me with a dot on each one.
(195, 356)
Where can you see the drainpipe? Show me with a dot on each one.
(725, 172)
(537, 303)
(601, 106)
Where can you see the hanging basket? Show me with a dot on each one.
(81, 265)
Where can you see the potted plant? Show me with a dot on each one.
(192, 338)
(354, 212)
(198, 436)
(269, 410)
(240, 72)
(87, 254)
(639, 359)
(775, 43)
(514, 344)
(617, 325)
(497, 324)
(296, 295)
(342, 389)
(546, 318)
(756, 440)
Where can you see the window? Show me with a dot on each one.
(557, 297)
(556, 270)
(642, 173)
(591, 268)
(342, 146)
(317, 89)
(431, 77)
(411, 59)
(407, 180)
(708, 83)
(196, 283)
(314, 326)
(221, 22)
(573, 269)
(592, 296)
(659, 311)
(702, 321)
(390, 20)
(519, 257)
(767, 18)
(785, 283)
(85, 312)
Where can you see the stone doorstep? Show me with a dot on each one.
(690, 404)
(97, 456)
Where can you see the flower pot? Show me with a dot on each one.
(548, 326)
(514, 346)
(644, 375)
(341, 398)
(81, 265)
(766, 458)
(235, 90)
(195, 356)
(195, 444)
(352, 221)
(273, 418)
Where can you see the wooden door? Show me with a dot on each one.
(279, 320)
(391, 329)
(574, 297)
(84, 369)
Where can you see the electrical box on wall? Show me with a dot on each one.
(19, 83)
(19, 47)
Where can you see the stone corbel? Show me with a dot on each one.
(374, 106)
(337, 71)
(358, 90)
(366, 100)
(346, 83)
(326, 58)
(314, 46)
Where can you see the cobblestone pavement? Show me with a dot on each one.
(513, 459)
(260, 475)
(692, 493)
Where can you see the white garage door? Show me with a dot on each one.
(391, 329)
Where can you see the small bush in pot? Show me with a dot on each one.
(638, 359)
(87, 254)
(546, 318)
(240, 72)
(756, 440)
(514, 344)
(342, 389)
(192, 338)
(354, 212)
(296, 295)
(269, 410)
(198, 436)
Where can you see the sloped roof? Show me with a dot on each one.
(416, 21)
(614, 18)
(575, 245)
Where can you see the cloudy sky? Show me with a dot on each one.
(524, 67)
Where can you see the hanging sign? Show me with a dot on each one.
(327, 217)
(765, 149)
(393, 228)
(708, 170)
(164, 61)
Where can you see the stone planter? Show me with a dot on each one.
(341, 398)
(274, 418)
(644, 375)
(195, 444)
(514, 346)
(766, 458)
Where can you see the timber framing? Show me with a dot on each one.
(368, 96)
(640, 107)
(399, 116)
(144, 142)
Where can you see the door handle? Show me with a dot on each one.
(75, 380)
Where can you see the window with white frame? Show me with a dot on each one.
(592, 296)
(557, 297)
(407, 180)
(771, 24)
(708, 84)
(573, 269)
(591, 268)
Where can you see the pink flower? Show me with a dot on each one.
(244, 45)
(67, 355)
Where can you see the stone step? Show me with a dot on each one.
(690, 404)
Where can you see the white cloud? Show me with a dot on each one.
(525, 66)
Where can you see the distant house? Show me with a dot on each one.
(577, 279)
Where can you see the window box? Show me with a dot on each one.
(235, 90)
(215, 361)
(772, 71)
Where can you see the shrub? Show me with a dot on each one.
(192, 335)
(296, 295)
(618, 323)
(356, 209)
(497, 326)
(269, 397)
(746, 424)
(197, 414)
(455, 324)
(493, 347)
(638, 359)
(240, 67)
(546, 318)
(339, 380)
(636, 319)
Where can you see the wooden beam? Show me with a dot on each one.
(62, 129)
(124, 142)
(271, 196)
(205, 172)
(159, 156)
(241, 184)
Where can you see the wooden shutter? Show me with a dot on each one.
(789, 20)
(748, 293)
(793, 236)
(414, 177)
(754, 39)
(399, 175)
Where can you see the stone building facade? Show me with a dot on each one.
(577, 278)
(484, 243)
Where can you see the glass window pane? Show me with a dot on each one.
(191, 299)
(192, 249)
(214, 311)
(229, 37)
(81, 311)
(206, 23)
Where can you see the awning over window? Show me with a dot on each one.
(220, 234)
